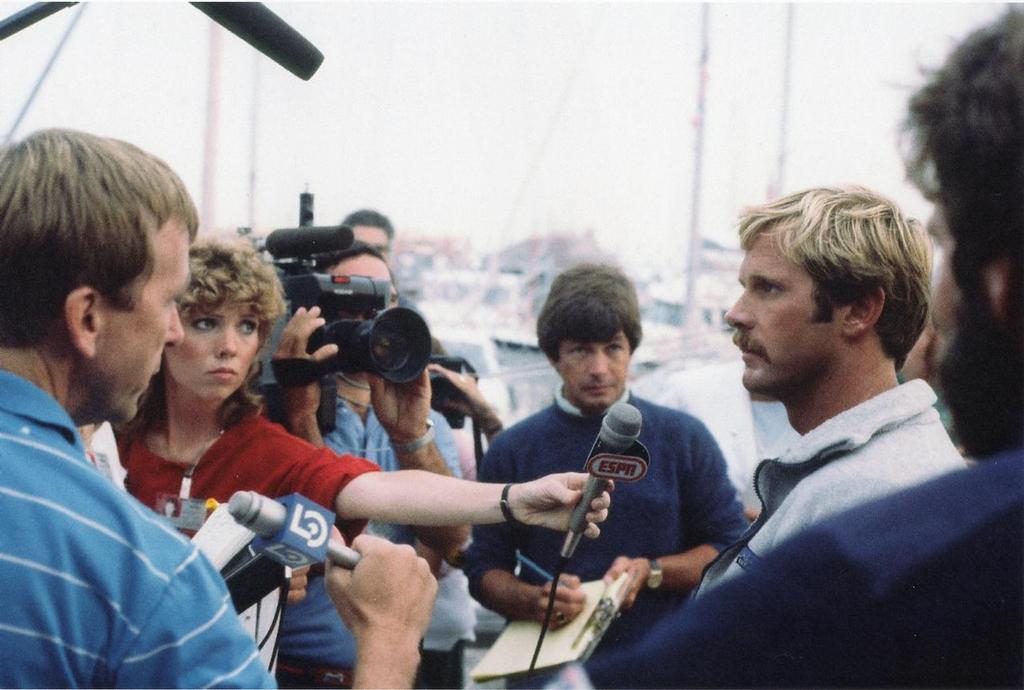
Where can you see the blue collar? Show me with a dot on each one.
(23, 399)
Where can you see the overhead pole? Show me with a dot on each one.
(691, 312)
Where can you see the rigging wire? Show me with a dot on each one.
(553, 120)
(46, 70)
(541, 151)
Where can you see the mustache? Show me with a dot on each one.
(745, 343)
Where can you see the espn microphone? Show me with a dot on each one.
(295, 531)
(616, 455)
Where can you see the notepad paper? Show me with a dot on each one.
(511, 653)
(221, 537)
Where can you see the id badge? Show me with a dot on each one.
(184, 513)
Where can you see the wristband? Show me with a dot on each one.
(506, 508)
(417, 443)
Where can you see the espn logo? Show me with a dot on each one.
(623, 468)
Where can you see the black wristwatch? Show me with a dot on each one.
(654, 579)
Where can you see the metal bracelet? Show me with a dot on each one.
(417, 443)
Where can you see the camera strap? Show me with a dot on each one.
(478, 444)
(295, 372)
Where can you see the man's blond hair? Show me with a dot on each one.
(851, 241)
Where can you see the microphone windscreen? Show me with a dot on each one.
(255, 24)
(621, 426)
(241, 506)
(264, 517)
(29, 16)
(305, 242)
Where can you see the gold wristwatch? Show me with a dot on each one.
(654, 579)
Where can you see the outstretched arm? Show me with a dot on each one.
(413, 497)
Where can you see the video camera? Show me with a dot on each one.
(393, 343)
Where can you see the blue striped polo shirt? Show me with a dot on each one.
(98, 590)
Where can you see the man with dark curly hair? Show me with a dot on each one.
(665, 528)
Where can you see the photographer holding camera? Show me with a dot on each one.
(456, 395)
(465, 397)
(382, 421)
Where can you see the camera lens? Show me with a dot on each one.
(395, 344)
(389, 347)
(399, 344)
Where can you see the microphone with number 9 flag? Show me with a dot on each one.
(294, 532)
(616, 455)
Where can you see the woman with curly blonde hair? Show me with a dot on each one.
(222, 273)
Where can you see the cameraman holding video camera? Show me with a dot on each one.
(382, 421)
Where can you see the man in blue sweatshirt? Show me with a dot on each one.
(665, 527)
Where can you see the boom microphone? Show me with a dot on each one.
(29, 16)
(619, 432)
(307, 241)
(252, 22)
(255, 24)
(296, 530)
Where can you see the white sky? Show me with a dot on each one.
(502, 120)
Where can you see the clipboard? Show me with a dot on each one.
(511, 653)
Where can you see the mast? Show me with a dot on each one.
(254, 121)
(208, 216)
(778, 183)
(694, 255)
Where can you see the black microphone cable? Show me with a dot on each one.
(559, 569)
(619, 431)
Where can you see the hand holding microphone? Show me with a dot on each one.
(386, 602)
(549, 502)
(616, 455)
